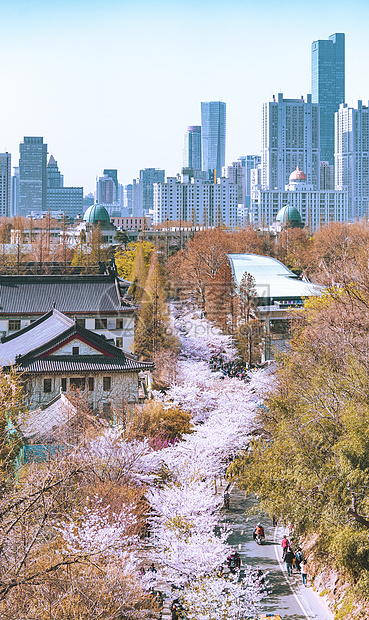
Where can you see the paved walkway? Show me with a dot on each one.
(289, 598)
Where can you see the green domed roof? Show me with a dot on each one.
(289, 215)
(96, 213)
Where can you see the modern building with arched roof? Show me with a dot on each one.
(278, 290)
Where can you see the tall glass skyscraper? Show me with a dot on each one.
(213, 130)
(5, 184)
(32, 175)
(328, 87)
(192, 148)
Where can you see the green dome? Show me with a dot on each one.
(96, 213)
(289, 216)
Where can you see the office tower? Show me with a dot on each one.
(328, 87)
(192, 148)
(15, 191)
(105, 190)
(148, 177)
(136, 199)
(68, 200)
(32, 175)
(352, 156)
(54, 178)
(112, 173)
(201, 202)
(290, 134)
(213, 135)
(5, 184)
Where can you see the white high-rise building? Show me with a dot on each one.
(194, 200)
(352, 156)
(290, 134)
(236, 173)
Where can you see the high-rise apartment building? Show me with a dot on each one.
(5, 184)
(213, 136)
(236, 173)
(194, 200)
(32, 175)
(249, 162)
(192, 148)
(290, 138)
(328, 87)
(352, 157)
(326, 175)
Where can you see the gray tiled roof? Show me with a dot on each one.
(83, 363)
(37, 294)
(37, 334)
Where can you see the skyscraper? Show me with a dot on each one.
(32, 175)
(68, 200)
(213, 132)
(352, 157)
(192, 148)
(5, 184)
(290, 134)
(112, 173)
(54, 177)
(328, 87)
(148, 177)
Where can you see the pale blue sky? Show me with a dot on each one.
(114, 84)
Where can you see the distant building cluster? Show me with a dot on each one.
(319, 136)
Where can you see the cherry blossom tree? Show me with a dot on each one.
(219, 598)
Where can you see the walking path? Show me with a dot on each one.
(289, 598)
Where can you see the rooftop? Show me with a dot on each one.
(34, 349)
(273, 280)
(36, 294)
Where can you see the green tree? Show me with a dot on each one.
(152, 331)
(125, 259)
(138, 274)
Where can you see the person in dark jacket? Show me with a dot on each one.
(289, 560)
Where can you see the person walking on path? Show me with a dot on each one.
(289, 560)
(285, 543)
(304, 571)
(299, 556)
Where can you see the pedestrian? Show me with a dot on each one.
(152, 568)
(304, 571)
(289, 560)
(174, 608)
(285, 543)
(299, 556)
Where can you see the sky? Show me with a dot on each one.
(115, 84)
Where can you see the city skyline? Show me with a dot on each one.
(168, 61)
